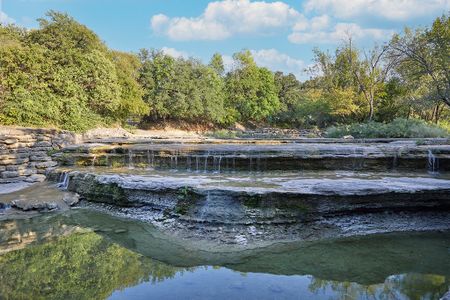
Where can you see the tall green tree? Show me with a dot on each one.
(424, 54)
(251, 90)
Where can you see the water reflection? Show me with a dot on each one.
(88, 255)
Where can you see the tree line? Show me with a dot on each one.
(63, 75)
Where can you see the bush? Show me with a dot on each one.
(398, 128)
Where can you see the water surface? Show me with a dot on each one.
(81, 254)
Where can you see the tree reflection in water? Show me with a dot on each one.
(90, 255)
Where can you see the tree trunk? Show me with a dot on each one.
(370, 109)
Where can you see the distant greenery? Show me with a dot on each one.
(62, 75)
(399, 128)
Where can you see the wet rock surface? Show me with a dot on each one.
(41, 197)
(401, 155)
(292, 206)
(254, 192)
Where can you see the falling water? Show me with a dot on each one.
(197, 162)
(188, 163)
(130, 159)
(433, 162)
(64, 181)
(395, 160)
(220, 161)
(205, 169)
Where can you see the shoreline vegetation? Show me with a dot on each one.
(63, 76)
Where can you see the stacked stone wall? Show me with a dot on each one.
(25, 153)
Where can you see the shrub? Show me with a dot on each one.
(398, 128)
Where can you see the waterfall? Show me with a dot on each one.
(395, 160)
(220, 161)
(188, 162)
(130, 159)
(94, 158)
(63, 181)
(205, 169)
(197, 162)
(433, 162)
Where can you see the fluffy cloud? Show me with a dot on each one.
(389, 9)
(339, 33)
(223, 19)
(276, 61)
(174, 52)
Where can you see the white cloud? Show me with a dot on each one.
(273, 60)
(223, 19)
(276, 61)
(389, 9)
(174, 52)
(159, 21)
(5, 19)
(339, 33)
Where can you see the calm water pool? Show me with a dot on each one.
(83, 254)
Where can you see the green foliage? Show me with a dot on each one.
(63, 75)
(251, 90)
(181, 89)
(398, 128)
(423, 59)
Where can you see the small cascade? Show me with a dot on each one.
(130, 159)
(150, 159)
(433, 163)
(219, 163)
(206, 207)
(63, 181)
(205, 168)
(188, 163)
(395, 160)
(197, 163)
(94, 159)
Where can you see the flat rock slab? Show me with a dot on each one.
(41, 197)
(6, 188)
(283, 185)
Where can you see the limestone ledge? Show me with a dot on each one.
(201, 199)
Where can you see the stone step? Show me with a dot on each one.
(260, 199)
(232, 157)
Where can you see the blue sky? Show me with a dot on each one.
(281, 34)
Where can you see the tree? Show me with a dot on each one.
(180, 89)
(371, 73)
(217, 64)
(425, 53)
(251, 90)
(131, 93)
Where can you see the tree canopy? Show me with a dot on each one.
(63, 75)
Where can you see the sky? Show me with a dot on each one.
(280, 34)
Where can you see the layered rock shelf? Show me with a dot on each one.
(25, 153)
(243, 199)
(397, 155)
